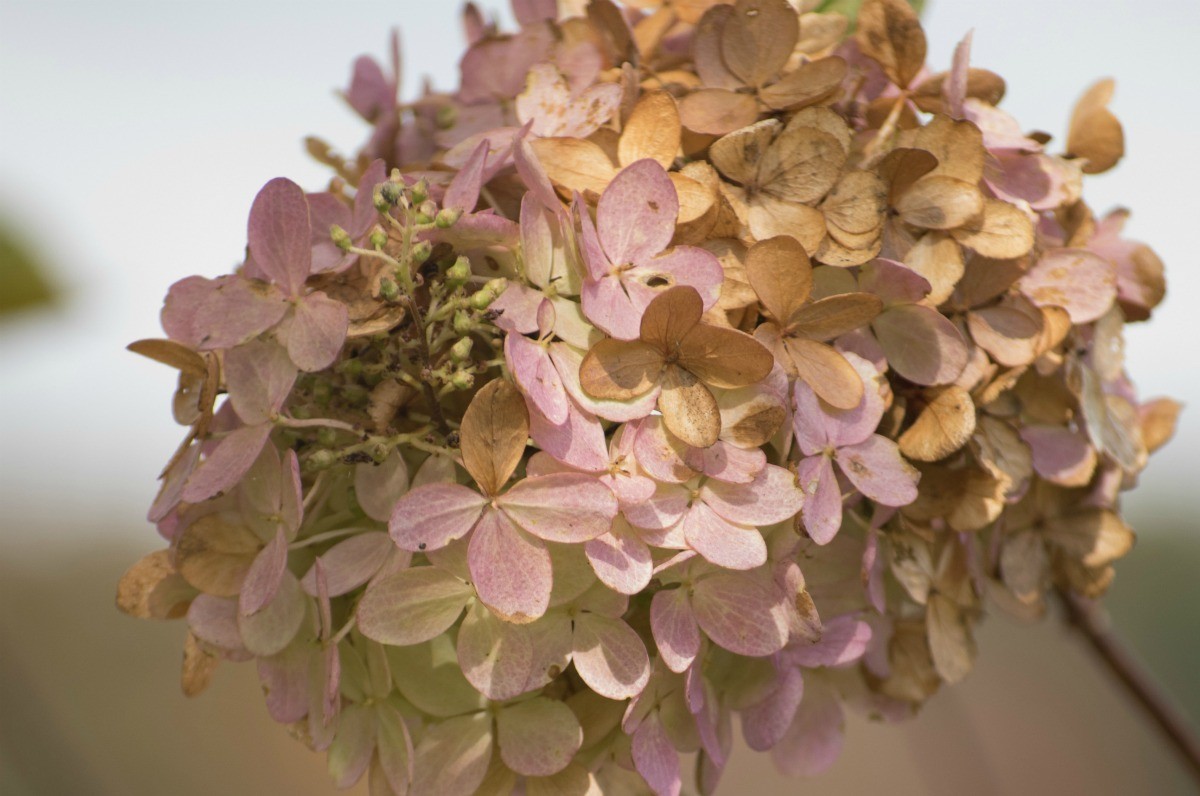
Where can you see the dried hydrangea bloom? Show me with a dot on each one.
(688, 360)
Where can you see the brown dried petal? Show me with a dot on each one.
(618, 370)
(889, 32)
(1010, 332)
(825, 120)
(801, 165)
(981, 84)
(716, 111)
(857, 202)
(724, 358)
(494, 431)
(670, 317)
(769, 217)
(1095, 133)
(737, 154)
(198, 667)
(1093, 537)
(1024, 565)
(706, 49)
(1003, 232)
(172, 354)
(779, 271)
(811, 83)
(938, 202)
(824, 369)
(902, 167)
(652, 131)
(943, 427)
(575, 163)
(950, 642)
(758, 39)
(1158, 419)
(834, 316)
(940, 260)
(833, 252)
(819, 32)
(152, 589)
(689, 409)
(214, 555)
(957, 145)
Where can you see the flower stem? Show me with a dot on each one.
(1084, 616)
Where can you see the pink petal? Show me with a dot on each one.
(663, 509)
(683, 265)
(568, 359)
(894, 282)
(370, 92)
(607, 305)
(352, 747)
(377, 487)
(620, 559)
(844, 640)
(738, 612)
(765, 723)
(534, 176)
(538, 737)
(636, 214)
(1082, 283)
(227, 463)
(518, 306)
(453, 756)
(818, 425)
(184, 299)
(325, 210)
(495, 656)
(773, 496)
(273, 627)
(394, 746)
(214, 621)
(316, 331)
(260, 376)
(579, 442)
(655, 757)
(350, 563)
(814, 741)
(236, 310)
(564, 507)
(1060, 455)
(431, 516)
(822, 512)
(675, 630)
(510, 569)
(721, 542)
(921, 344)
(280, 234)
(285, 682)
(463, 192)
(533, 370)
(661, 454)
(610, 656)
(264, 575)
(724, 462)
(411, 606)
(879, 471)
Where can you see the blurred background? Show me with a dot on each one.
(133, 137)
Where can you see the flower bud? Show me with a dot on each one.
(461, 351)
(462, 323)
(420, 191)
(327, 437)
(459, 273)
(381, 203)
(462, 380)
(447, 217)
(351, 367)
(378, 238)
(391, 192)
(321, 460)
(388, 289)
(340, 237)
(447, 116)
(421, 251)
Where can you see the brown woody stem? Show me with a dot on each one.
(1138, 684)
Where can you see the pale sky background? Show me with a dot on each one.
(134, 135)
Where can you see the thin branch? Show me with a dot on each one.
(1084, 616)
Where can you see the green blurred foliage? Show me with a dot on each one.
(850, 8)
(22, 281)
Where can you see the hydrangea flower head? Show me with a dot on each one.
(689, 360)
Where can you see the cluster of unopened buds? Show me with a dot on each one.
(690, 360)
